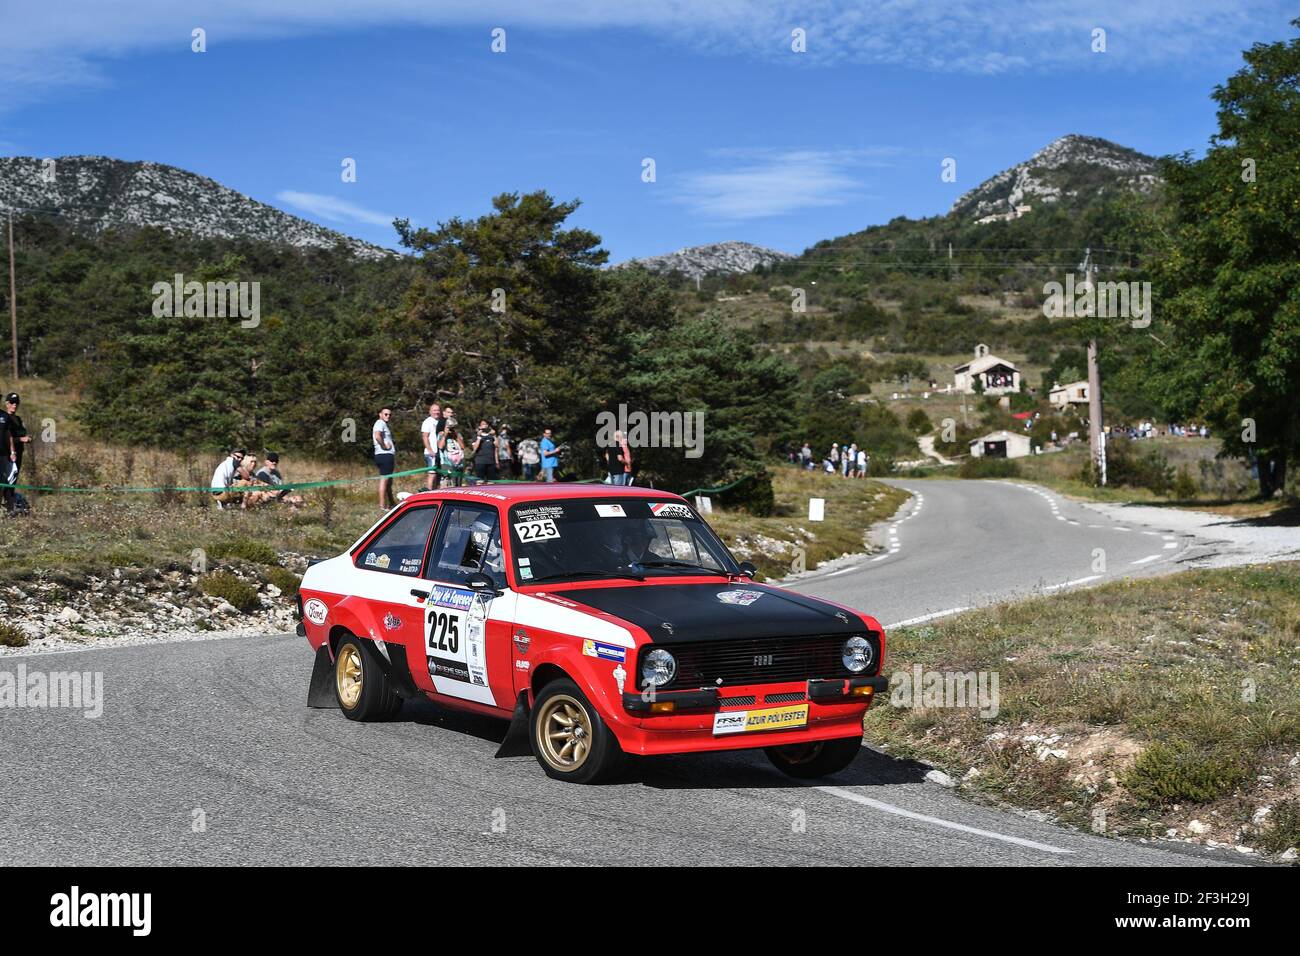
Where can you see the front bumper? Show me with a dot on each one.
(683, 721)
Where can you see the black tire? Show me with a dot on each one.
(817, 759)
(597, 759)
(360, 687)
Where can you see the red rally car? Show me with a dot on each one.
(601, 621)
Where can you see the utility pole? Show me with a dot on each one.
(1096, 432)
(13, 300)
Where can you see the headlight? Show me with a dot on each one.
(658, 667)
(858, 654)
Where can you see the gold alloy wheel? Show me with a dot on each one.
(565, 732)
(348, 675)
(802, 753)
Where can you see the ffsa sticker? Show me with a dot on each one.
(540, 530)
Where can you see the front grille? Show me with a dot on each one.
(790, 697)
(761, 661)
(738, 701)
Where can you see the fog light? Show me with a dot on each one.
(663, 707)
(864, 691)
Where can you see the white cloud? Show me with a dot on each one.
(333, 209)
(48, 45)
(757, 185)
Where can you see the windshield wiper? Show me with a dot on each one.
(592, 573)
(686, 565)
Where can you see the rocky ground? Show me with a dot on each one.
(140, 606)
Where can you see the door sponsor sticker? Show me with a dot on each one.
(454, 635)
(770, 718)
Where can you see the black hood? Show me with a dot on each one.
(701, 612)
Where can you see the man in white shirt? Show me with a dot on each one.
(429, 432)
(862, 463)
(224, 478)
(385, 456)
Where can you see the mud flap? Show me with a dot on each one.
(320, 692)
(517, 743)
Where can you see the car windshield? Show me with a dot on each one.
(589, 538)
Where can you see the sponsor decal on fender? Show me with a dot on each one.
(739, 597)
(315, 611)
(606, 652)
(391, 621)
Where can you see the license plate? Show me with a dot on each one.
(770, 718)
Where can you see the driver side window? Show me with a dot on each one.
(468, 540)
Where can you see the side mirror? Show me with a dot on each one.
(747, 569)
(482, 583)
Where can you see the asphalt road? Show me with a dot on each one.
(205, 752)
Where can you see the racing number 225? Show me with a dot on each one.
(444, 631)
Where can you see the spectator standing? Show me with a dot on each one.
(484, 451)
(385, 456)
(862, 462)
(805, 456)
(618, 460)
(550, 461)
(505, 453)
(430, 434)
(452, 455)
(13, 439)
(530, 458)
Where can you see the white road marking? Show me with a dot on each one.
(938, 821)
(1070, 584)
(1170, 545)
(928, 617)
(1117, 528)
(852, 567)
(1149, 557)
(880, 557)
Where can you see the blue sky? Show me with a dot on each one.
(750, 139)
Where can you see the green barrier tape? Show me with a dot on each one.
(714, 491)
(286, 486)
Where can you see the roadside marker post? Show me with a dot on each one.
(816, 509)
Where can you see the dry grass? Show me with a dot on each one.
(1156, 700)
(852, 507)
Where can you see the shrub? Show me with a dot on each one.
(918, 422)
(247, 549)
(1283, 830)
(69, 471)
(283, 579)
(754, 494)
(1184, 485)
(240, 594)
(988, 468)
(11, 636)
(1150, 470)
(1177, 773)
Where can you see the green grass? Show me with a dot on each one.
(1170, 697)
(258, 552)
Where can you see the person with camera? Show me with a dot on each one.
(485, 453)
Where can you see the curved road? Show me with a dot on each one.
(206, 754)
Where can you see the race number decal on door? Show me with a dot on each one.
(454, 628)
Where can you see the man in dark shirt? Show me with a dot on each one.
(13, 438)
(269, 474)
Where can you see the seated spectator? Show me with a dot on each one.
(269, 474)
(226, 478)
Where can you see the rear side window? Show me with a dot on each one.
(399, 548)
